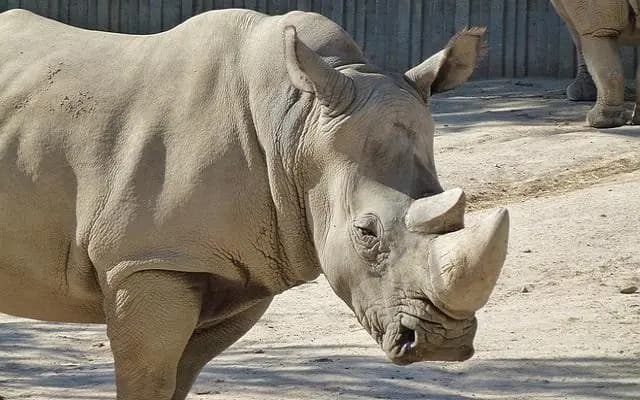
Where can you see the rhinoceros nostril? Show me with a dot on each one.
(407, 339)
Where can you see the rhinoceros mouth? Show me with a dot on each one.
(412, 339)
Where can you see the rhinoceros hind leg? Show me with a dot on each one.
(150, 317)
(582, 89)
(635, 120)
(602, 57)
(206, 343)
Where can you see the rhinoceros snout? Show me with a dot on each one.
(429, 336)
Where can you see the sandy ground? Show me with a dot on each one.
(574, 198)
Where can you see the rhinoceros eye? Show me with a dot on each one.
(367, 239)
(367, 229)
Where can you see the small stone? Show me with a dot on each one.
(528, 288)
(258, 351)
(527, 251)
(100, 344)
(603, 215)
(629, 289)
(323, 360)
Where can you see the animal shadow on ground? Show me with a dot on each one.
(82, 369)
(502, 103)
(357, 376)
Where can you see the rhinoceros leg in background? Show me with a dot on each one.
(207, 343)
(635, 120)
(582, 88)
(150, 319)
(603, 60)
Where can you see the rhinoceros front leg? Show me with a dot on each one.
(150, 317)
(206, 343)
(603, 60)
(582, 88)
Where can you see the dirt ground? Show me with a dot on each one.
(574, 197)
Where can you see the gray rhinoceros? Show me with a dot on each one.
(170, 185)
(599, 28)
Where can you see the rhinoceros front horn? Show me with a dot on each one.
(310, 73)
(464, 265)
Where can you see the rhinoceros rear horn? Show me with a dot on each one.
(450, 67)
(310, 73)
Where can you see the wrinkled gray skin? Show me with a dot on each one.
(171, 185)
(599, 28)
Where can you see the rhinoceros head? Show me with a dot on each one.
(391, 243)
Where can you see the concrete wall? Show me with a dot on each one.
(526, 37)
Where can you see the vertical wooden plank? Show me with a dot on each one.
(227, 3)
(133, 16)
(251, 4)
(4, 5)
(404, 34)
(480, 15)
(114, 16)
(92, 14)
(567, 63)
(210, 5)
(532, 38)
(552, 56)
(31, 5)
(124, 15)
(43, 7)
(54, 8)
(304, 5)
(429, 15)
(63, 11)
(198, 7)
(360, 24)
(13, 4)
(381, 33)
(521, 38)
(155, 16)
(538, 38)
(510, 25)
(238, 4)
(278, 7)
(370, 30)
(143, 16)
(263, 6)
(187, 10)
(316, 6)
(496, 39)
(327, 8)
(170, 14)
(416, 32)
(463, 8)
(338, 12)
(350, 8)
(391, 36)
(449, 19)
(78, 13)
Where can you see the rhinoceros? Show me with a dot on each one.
(598, 29)
(171, 185)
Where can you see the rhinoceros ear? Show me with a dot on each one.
(450, 67)
(310, 73)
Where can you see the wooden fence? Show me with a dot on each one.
(526, 37)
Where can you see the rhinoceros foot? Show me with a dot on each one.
(635, 120)
(603, 116)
